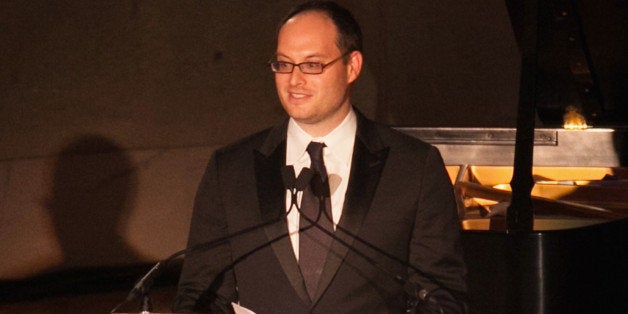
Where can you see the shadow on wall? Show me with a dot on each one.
(94, 186)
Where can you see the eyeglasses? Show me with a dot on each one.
(284, 67)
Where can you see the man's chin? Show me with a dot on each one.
(304, 120)
(299, 113)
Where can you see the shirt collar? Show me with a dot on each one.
(339, 142)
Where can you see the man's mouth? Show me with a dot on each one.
(297, 95)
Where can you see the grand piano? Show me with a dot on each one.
(575, 257)
(544, 211)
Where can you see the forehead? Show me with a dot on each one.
(310, 31)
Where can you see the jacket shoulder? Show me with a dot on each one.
(398, 140)
(248, 142)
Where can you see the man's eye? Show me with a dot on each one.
(283, 65)
(312, 65)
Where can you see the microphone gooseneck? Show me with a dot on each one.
(294, 185)
(144, 284)
(320, 189)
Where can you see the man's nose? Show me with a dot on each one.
(297, 77)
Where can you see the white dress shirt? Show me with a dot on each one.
(337, 156)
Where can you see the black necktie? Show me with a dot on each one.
(316, 205)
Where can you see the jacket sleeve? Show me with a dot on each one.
(206, 283)
(435, 248)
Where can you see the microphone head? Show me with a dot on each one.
(304, 179)
(287, 176)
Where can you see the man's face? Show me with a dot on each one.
(317, 102)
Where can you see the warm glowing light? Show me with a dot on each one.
(573, 119)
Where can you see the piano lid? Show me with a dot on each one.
(460, 66)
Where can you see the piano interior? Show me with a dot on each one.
(562, 197)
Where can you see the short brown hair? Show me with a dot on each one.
(350, 34)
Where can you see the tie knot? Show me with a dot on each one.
(315, 149)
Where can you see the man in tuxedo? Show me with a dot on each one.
(375, 224)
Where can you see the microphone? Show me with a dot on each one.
(294, 185)
(290, 182)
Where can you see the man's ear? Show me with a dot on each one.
(354, 66)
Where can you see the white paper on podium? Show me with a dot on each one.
(240, 309)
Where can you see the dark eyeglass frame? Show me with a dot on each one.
(314, 67)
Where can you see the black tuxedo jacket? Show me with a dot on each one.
(399, 210)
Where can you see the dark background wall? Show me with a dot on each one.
(184, 73)
(143, 91)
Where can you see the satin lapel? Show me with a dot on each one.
(268, 163)
(369, 158)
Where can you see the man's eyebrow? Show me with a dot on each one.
(312, 56)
